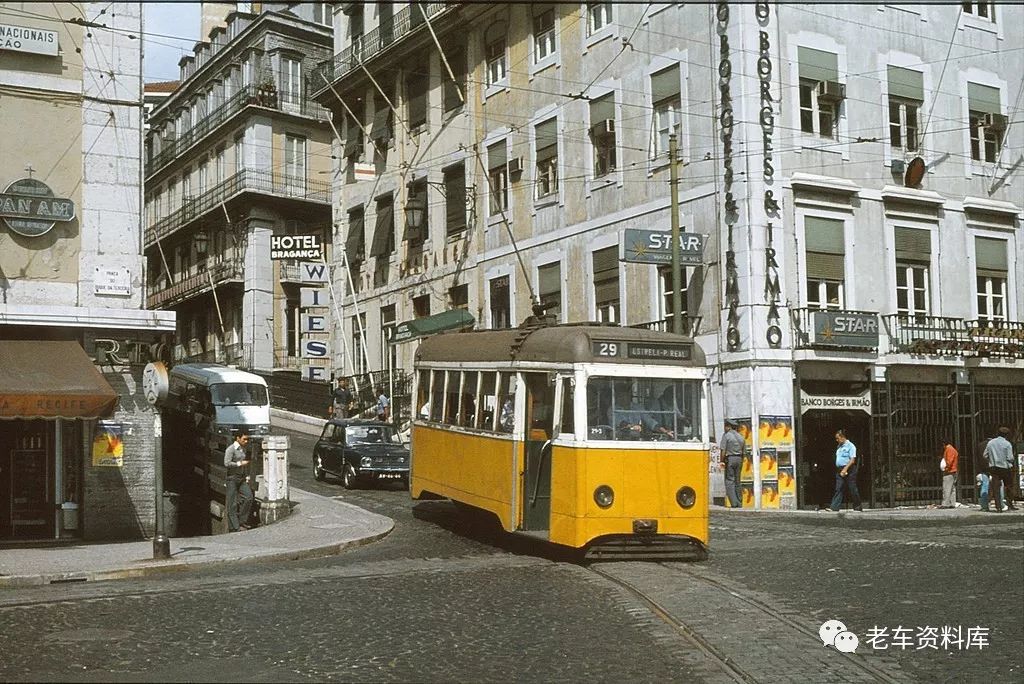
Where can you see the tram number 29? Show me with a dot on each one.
(607, 349)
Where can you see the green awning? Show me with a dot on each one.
(455, 319)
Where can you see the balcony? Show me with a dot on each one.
(369, 45)
(265, 96)
(691, 325)
(247, 180)
(838, 329)
(227, 270)
(227, 354)
(943, 336)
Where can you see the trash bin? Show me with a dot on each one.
(171, 505)
(69, 515)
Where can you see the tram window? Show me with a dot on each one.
(567, 425)
(452, 398)
(423, 394)
(643, 409)
(506, 402)
(486, 403)
(437, 396)
(467, 403)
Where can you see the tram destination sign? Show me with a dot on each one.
(642, 351)
(640, 246)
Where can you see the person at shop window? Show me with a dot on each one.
(846, 473)
(949, 463)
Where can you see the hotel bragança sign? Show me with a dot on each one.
(30, 208)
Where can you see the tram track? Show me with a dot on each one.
(727, 663)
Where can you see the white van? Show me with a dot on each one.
(229, 399)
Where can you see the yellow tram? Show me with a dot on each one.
(588, 436)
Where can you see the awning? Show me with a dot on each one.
(51, 379)
(455, 319)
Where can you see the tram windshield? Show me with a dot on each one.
(643, 409)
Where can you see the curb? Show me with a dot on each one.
(880, 519)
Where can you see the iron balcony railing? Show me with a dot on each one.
(227, 354)
(860, 331)
(246, 180)
(691, 325)
(266, 96)
(230, 269)
(368, 45)
(945, 336)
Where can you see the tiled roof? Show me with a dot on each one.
(162, 86)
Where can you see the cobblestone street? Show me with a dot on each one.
(438, 600)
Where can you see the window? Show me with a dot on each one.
(467, 400)
(353, 150)
(437, 396)
(451, 89)
(906, 97)
(291, 81)
(494, 48)
(606, 285)
(825, 252)
(549, 288)
(913, 260)
(291, 324)
(452, 397)
(991, 271)
(422, 395)
(219, 164)
(547, 158)
(239, 152)
(421, 306)
(172, 195)
(987, 123)
(458, 296)
(488, 400)
(506, 402)
(383, 128)
(497, 174)
(667, 105)
(455, 200)
(322, 13)
(415, 235)
(981, 9)
(643, 409)
(665, 288)
(543, 33)
(384, 230)
(599, 15)
(820, 91)
(295, 161)
(204, 176)
(388, 351)
(602, 134)
(567, 424)
(355, 242)
(186, 185)
(416, 86)
(359, 362)
(501, 307)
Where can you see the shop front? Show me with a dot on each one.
(51, 399)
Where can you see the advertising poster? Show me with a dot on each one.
(747, 468)
(776, 432)
(770, 494)
(747, 495)
(769, 464)
(107, 447)
(787, 481)
(743, 427)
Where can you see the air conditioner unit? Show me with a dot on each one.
(831, 91)
(996, 122)
(603, 128)
(515, 166)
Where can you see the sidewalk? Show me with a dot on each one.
(318, 526)
(964, 514)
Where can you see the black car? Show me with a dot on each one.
(360, 451)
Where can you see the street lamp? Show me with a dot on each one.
(415, 210)
(201, 241)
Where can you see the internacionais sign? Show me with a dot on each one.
(30, 208)
(28, 39)
(296, 247)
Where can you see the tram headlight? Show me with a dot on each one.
(686, 497)
(604, 496)
(366, 462)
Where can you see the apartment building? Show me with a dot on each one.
(852, 170)
(76, 433)
(237, 156)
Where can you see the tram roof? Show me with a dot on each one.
(571, 343)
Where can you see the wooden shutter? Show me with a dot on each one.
(457, 61)
(547, 140)
(383, 232)
(549, 279)
(990, 257)
(355, 243)
(455, 198)
(665, 84)
(982, 98)
(606, 274)
(416, 86)
(906, 83)
(601, 109)
(913, 244)
(818, 65)
(497, 156)
(381, 130)
(824, 248)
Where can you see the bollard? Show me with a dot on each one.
(275, 505)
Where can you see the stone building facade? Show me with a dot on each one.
(76, 443)
(852, 171)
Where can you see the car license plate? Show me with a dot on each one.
(388, 476)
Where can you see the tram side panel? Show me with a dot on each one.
(644, 482)
(476, 469)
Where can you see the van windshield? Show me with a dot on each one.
(238, 394)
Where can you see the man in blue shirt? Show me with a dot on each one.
(846, 473)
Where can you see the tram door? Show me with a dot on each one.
(540, 404)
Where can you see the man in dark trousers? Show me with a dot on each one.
(733, 446)
(238, 497)
(846, 473)
(999, 454)
(341, 399)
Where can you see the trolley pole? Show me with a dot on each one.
(677, 300)
(161, 544)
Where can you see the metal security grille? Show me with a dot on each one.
(909, 422)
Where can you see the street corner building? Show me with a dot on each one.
(76, 433)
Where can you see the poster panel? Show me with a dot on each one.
(747, 468)
(769, 494)
(776, 432)
(747, 494)
(107, 447)
(769, 464)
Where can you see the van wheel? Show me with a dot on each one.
(348, 478)
(318, 469)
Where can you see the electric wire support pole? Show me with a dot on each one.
(677, 300)
(161, 544)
